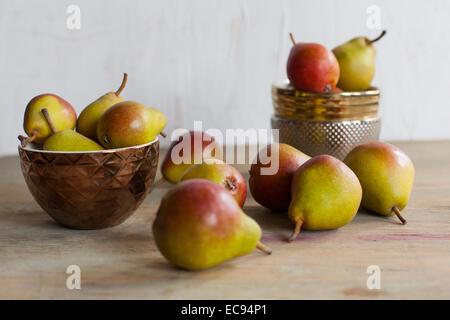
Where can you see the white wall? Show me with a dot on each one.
(215, 60)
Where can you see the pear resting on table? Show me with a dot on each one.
(386, 174)
(200, 225)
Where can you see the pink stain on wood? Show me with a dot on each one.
(317, 236)
(323, 237)
(404, 236)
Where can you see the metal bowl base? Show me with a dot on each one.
(336, 138)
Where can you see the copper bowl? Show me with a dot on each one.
(90, 190)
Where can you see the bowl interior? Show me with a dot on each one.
(33, 147)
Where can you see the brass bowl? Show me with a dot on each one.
(90, 190)
(290, 103)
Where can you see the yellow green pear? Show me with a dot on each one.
(386, 174)
(200, 225)
(88, 120)
(326, 194)
(67, 140)
(356, 63)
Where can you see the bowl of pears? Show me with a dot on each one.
(91, 171)
(328, 104)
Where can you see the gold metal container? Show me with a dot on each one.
(325, 123)
(90, 190)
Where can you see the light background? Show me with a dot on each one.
(214, 60)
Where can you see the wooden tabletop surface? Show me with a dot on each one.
(123, 262)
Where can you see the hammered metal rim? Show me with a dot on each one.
(275, 117)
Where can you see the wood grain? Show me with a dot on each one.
(123, 262)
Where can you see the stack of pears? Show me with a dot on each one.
(319, 193)
(193, 156)
(325, 193)
(188, 149)
(349, 67)
(200, 223)
(108, 122)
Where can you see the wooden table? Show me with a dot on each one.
(123, 262)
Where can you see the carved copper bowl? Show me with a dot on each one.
(90, 190)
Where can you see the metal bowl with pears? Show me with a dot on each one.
(325, 122)
(97, 176)
(328, 105)
(90, 190)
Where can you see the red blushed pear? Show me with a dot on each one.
(386, 174)
(312, 67)
(200, 225)
(129, 123)
(271, 175)
(188, 149)
(217, 171)
(36, 126)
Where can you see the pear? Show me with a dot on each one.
(312, 67)
(326, 194)
(67, 140)
(386, 174)
(217, 171)
(88, 119)
(188, 149)
(129, 123)
(357, 63)
(273, 189)
(200, 225)
(34, 123)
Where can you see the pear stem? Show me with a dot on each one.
(263, 248)
(383, 33)
(229, 185)
(163, 134)
(292, 38)
(49, 120)
(24, 141)
(399, 216)
(124, 83)
(159, 182)
(297, 229)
